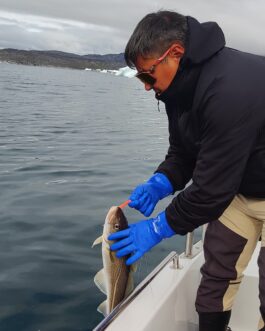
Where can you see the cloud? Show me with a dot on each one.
(55, 33)
(104, 26)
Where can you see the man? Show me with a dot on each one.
(215, 103)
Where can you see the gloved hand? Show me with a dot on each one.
(140, 237)
(145, 196)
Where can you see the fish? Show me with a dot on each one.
(115, 279)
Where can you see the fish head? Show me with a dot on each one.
(115, 221)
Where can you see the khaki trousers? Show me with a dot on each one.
(228, 246)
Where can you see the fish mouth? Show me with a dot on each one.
(111, 217)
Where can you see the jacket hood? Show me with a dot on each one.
(204, 40)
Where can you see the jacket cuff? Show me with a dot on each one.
(162, 227)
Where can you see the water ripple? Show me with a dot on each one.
(72, 145)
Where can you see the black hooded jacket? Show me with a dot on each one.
(216, 112)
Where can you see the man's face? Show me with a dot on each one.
(164, 72)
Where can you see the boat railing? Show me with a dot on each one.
(189, 252)
(173, 258)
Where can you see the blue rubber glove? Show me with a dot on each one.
(145, 196)
(140, 237)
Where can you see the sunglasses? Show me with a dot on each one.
(146, 76)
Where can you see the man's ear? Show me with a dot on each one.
(177, 50)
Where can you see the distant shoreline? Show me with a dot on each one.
(62, 60)
(122, 71)
(58, 67)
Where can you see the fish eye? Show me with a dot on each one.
(116, 226)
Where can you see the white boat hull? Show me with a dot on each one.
(167, 302)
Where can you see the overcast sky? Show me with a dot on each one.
(104, 26)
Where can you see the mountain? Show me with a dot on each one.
(62, 59)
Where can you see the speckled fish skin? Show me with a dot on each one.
(115, 279)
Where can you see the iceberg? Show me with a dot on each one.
(126, 72)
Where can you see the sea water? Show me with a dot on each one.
(72, 144)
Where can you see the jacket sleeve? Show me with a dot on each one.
(229, 128)
(178, 165)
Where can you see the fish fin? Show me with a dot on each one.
(133, 267)
(99, 280)
(102, 308)
(97, 241)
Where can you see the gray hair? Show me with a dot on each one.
(154, 34)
